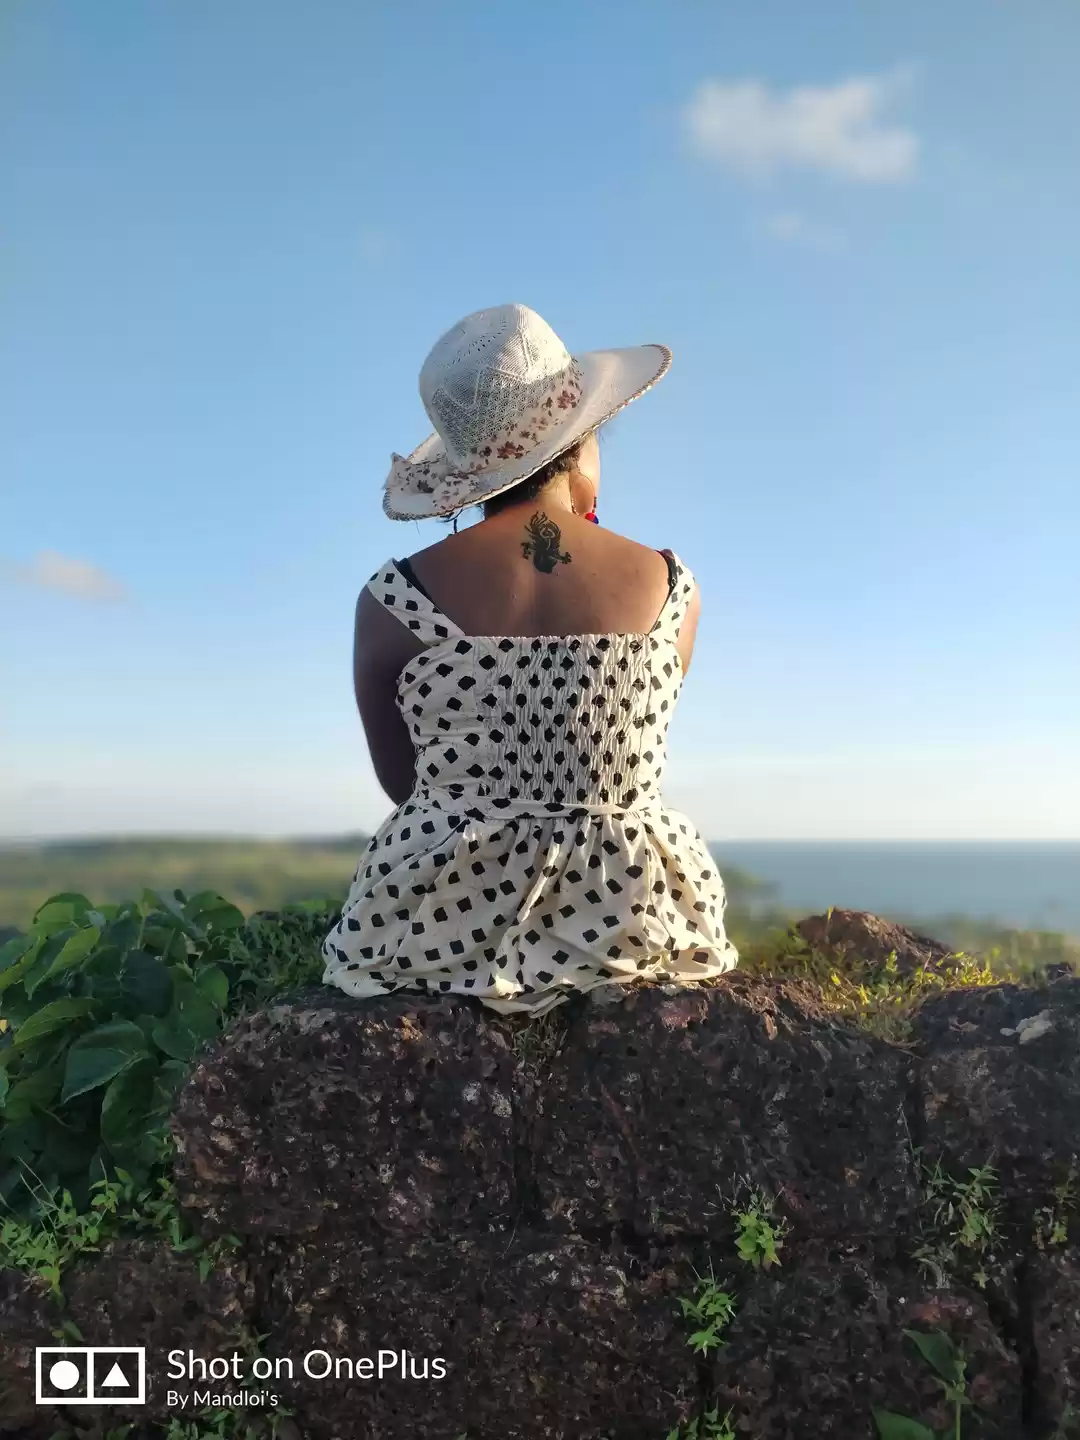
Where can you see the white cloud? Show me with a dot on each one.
(793, 228)
(836, 129)
(50, 570)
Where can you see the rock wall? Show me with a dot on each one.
(531, 1204)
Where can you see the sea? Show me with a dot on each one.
(1028, 885)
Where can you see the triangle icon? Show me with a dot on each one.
(115, 1376)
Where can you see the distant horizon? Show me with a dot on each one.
(1028, 885)
(361, 836)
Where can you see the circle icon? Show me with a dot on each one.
(64, 1375)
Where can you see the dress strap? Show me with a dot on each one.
(681, 586)
(397, 591)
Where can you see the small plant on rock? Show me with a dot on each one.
(59, 1232)
(759, 1232)
(874, 996)
(1051, 1224)
(963, 1223)
(230, 1423)
(710, 1425)
(949, 1364)
(537, 1040)
(711, 1310)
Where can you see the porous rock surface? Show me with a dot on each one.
(530, 1204)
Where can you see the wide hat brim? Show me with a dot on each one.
(424, 484)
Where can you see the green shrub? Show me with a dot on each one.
(103, 1008)
(102, 1011)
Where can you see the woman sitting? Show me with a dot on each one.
(516, 682)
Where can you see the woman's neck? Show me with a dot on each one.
(554, 498)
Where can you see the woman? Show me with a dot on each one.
(516, 682)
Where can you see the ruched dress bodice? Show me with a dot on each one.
(535, 855)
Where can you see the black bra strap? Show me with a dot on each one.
(672, 570)
(410, 575)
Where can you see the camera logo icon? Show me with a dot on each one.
(90, 1375)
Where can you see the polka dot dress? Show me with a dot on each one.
(535, 855)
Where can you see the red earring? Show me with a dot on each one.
(592, 516)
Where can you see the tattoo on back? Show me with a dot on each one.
(543, 543)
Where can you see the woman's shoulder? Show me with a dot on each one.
(635, 555)
(454, 542)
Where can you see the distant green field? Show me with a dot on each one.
(253, 874)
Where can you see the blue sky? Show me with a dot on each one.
(232, 232)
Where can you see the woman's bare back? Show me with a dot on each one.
(530, 572)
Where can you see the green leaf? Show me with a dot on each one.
(937, 1350)
(20, 1146)
(199, 1015)
(167, 1082)
(68, 897)
(5, 1085)
(123, 930)
(131, 1114)
(169, 941)
(59, 912)
(47, 1052)
(212, 912)
(205, 900)
(102, 978)
(213, 983)
(51, 1017)
(10, 1180)
(190, 1024)
(147, 983)
(74, 951)
(891, 1426)
(17, 1009)
(146, 1024)
(18, 967)
(36, 975)
(12, 949)
(171, 913)
(173, 1041)
(68, 1149)
(31, 1092)
(102, 1053)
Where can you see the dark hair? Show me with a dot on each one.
(531, 487)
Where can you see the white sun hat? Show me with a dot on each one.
(506, 396)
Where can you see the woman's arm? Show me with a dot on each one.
(382, 647)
